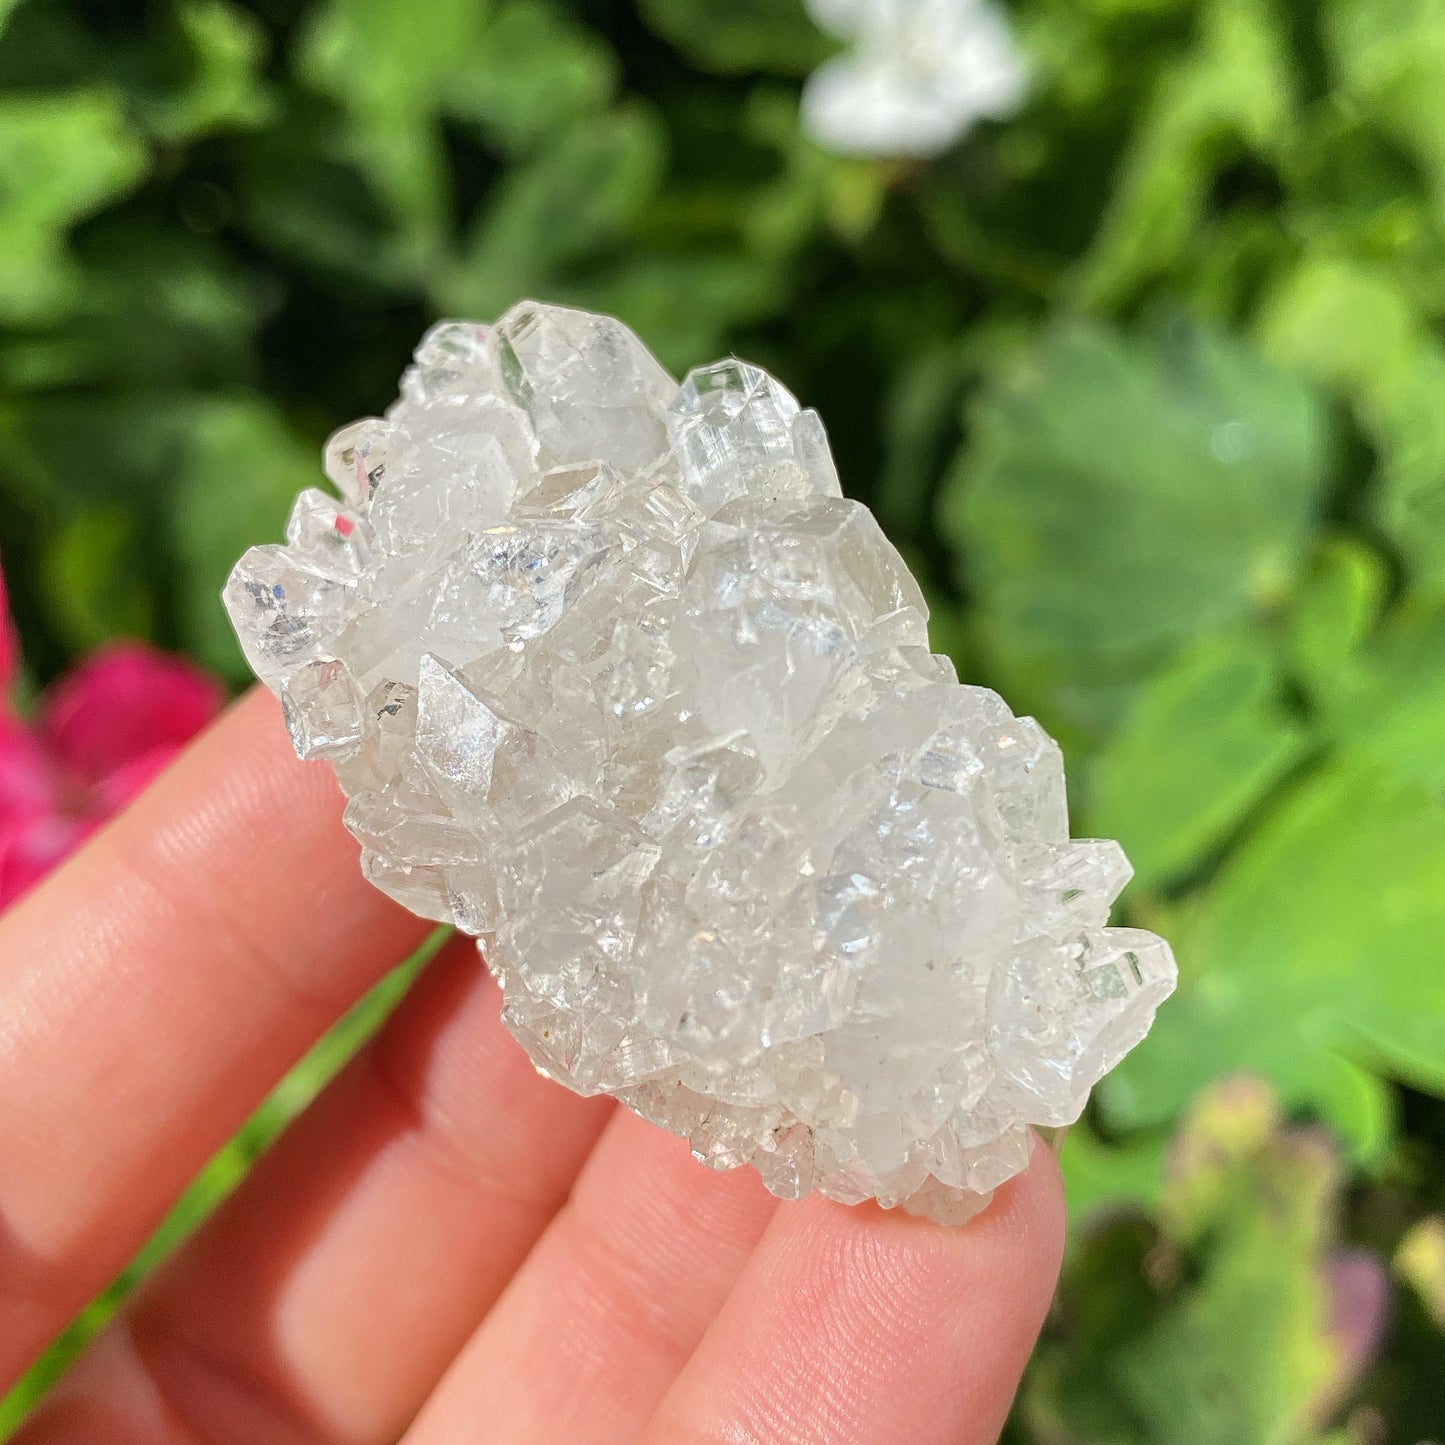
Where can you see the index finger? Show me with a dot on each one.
(154, 989)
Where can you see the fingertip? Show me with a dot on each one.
(1020, 1228)
(1030, 1215)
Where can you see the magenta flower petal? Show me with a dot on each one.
(28, 780)
(124, 703)
(105, 731)
(30, 847)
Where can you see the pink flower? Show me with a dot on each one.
(101, 734)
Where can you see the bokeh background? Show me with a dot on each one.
(1149, 382)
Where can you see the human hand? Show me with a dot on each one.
(446, 1247)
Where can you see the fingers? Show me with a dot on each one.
(610, 1304)
(153, 990)
(864, 1328)
(326, 1300)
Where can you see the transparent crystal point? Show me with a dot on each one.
(324, 710)
(490, 769)
(814, 455)
(331, 539)
(737, 432)
(284, 610)
(591, 388)
(360, 456)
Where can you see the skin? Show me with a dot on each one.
(446, 1247)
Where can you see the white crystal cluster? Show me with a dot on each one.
(617, 680)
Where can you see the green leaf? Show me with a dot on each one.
(1310, 958)
(389, 58)
(1205, 741)
(532, 74)
(1314, 951)
(1336, 609)
(62, 157)
(579, 194)
(86, 450)
(922, 418)
(1249, 1350)
(1389, 705)
(1355, 327)
(773, 36)
(1230, 96)
(307, 196)
(95, 588)
(1387, 57)
(1101, 1177)
(199, 477)
(1349, 325)
(1220, 1331)
(778, 217)
(126, 330)
(221, 49)
(1119, 499)
(389, 65)
(238, 474)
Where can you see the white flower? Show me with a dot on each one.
(920, 73)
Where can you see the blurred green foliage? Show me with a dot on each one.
(1250, 1210)
(1148, 381)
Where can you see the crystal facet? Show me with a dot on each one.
(618, 681)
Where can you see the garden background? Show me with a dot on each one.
(1147, 380)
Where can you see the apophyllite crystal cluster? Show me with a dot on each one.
(617, 680)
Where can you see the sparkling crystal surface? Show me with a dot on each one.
(618, 681)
